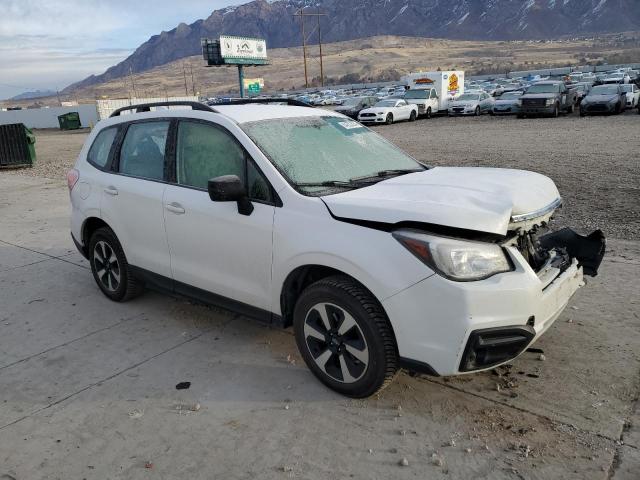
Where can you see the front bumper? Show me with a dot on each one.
(507, 110)
(435, 319)
(462, 111)
(372, 119)
(537, 110)
(598, 107)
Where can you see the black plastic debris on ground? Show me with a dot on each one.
(183, 385)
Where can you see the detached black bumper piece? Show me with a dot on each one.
(588, 250)
(491, 346)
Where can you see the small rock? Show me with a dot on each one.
(286, 407)
(195, 407)
(148, 465)
(570, 320)
(452, 443)
(574, 307)
(467, 450)
(404, 462)
(436, 460)
(403, 432)
(541, 357)
(371, 451)
(136, 413)
(393, 450)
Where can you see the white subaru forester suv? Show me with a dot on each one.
(302, 217)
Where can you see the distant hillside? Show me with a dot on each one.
(33, 94)
(353, 19)
(384, 58)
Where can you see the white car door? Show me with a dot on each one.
(213, 247)
(402, 109)
(131, 200)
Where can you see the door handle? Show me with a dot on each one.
(111, 191)
(175, 208)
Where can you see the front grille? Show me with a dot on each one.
(599, 107)
(534, 102)
(367, 114)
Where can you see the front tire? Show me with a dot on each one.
(477, 112)
(345, 337)
(412, 117)
(389, 119)
(110, 268)
(556, 111)
(428, 112)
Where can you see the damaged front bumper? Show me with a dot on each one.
(458, 327)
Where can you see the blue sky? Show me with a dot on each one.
(49, 44)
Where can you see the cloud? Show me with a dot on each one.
(52, 43)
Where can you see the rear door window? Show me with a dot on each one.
(143, 150)
(99, 152)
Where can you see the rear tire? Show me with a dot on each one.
(357, 358)
(110, 268)
(389, 119)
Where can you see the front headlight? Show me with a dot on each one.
(458, 260)
(550, 101)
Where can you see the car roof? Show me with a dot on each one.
(237, 113)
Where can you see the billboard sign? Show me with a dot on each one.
(243, 50)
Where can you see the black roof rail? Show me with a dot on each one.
(146, 107)
(244, 101)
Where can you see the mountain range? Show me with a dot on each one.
(350, 19)
(33, 94)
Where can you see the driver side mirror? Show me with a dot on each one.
(229, 188)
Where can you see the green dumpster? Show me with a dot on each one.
(69, 121)
(17, 146)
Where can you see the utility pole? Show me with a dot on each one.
(184, 74)
(301, 13)
(320, 45)
(133, 85)
(193, 84)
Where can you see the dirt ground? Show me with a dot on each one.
(87, 387)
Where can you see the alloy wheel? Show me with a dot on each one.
(336, 342)
(106, 265)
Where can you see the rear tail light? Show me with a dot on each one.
(73, 176)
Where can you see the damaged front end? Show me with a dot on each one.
(543, 248)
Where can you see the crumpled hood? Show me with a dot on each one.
(472, 198)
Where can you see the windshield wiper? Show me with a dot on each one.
(329, 183)
(387, 173)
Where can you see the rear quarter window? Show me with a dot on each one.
(99, 152)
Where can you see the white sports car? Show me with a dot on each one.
(389, 111)
(633, 94)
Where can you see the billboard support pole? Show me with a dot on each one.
(241, 79)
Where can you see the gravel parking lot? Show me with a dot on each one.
(87, 387)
